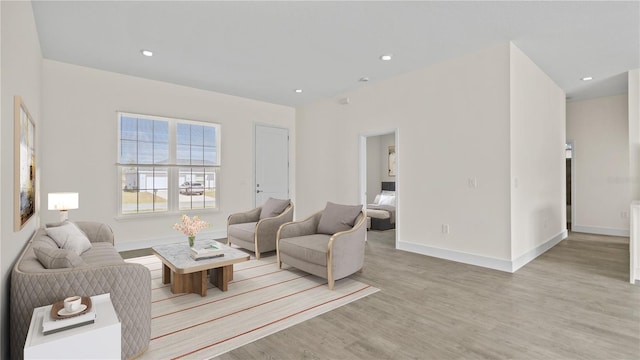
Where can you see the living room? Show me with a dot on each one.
(509, 135)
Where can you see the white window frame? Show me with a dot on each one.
(173, 168)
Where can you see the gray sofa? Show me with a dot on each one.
(103, 271)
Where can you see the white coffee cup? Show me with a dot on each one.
(72, 303)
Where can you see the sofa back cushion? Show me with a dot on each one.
(57, 258)
(336, 218)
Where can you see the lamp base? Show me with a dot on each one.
(64, 215)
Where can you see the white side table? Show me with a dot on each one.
(100, 340)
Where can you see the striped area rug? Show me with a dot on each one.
(261, 300)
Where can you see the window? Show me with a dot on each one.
(166, 165)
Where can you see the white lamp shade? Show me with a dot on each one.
(63, 201)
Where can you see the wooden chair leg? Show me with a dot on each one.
(257, 255)
(331, 282)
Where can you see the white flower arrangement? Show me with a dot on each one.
(190, 226)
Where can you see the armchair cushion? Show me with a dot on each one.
(57, 258)
(243, 231)
(310, 248)
(69, 236)
(336, 218)
(273, 207)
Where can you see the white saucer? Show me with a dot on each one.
(63, 311)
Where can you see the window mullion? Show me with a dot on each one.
(173, 171)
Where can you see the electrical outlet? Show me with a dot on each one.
(473, 182)
(445, 228)
(624, 214)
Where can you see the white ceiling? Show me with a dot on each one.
(265, 50)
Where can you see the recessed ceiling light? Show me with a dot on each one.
(147, 52)
(364, 79)
(298, 91)
(587, 78)
(386, 57)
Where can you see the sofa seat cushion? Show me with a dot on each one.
(311, 248)
(102, 254)
(243, 231)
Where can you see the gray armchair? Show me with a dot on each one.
(312, 244)
(256, 229)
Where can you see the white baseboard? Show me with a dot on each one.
(147, 243)
(462, 257)
(600, 230)
(483, 261)
(636, 281)
(525, 258)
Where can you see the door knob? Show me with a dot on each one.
(258, 191)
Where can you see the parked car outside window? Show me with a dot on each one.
(189, 188)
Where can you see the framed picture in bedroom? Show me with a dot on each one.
(24, 164)
(392, 161)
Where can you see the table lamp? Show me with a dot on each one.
(63, 202)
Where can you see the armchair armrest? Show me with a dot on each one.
(346, 249)
(304, 227)
(245, 217)
(268, 227)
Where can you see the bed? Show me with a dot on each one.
(381, 215)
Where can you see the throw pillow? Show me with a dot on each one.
(336, 218)
(57, 258)
(273, 207)
(387, 200)
(69, 236)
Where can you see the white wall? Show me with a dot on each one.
(374, 171)
(453, 123)
(538, 208)
(634, 170)
(599, 129)
(80, 139)
(634, 133)
(21, 62)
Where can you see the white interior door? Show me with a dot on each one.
(272, 163)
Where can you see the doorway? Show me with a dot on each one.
(569, 164)
(271, 163)
(379, 178)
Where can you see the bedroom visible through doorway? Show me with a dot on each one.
(379, 183)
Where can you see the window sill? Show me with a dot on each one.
(173, 214)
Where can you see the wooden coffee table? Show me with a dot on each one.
(190, 276)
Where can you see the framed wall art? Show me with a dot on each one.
(24, 164)
(392, 161)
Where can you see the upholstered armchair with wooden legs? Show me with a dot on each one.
(256, 229)
(329, 244)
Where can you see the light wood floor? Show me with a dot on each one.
(573, 302)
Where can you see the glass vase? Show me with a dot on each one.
(192, 240)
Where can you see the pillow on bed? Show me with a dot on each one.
(387, 200)
(388, 192)
(377, 199)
